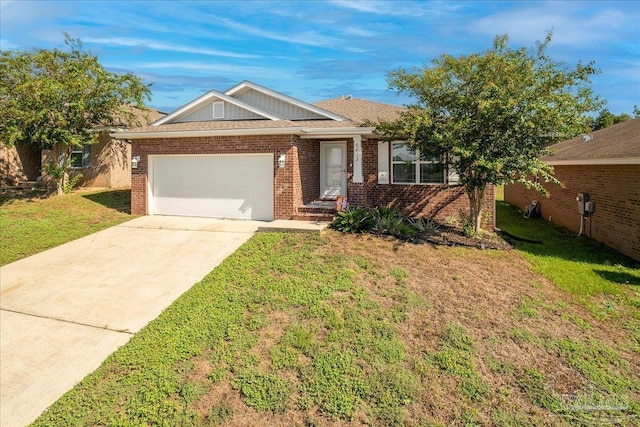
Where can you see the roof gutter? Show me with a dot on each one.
(304, 133)
(578, 162)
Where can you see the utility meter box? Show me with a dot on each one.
(590, 207)
(582, 199)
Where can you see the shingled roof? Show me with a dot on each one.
(617, 144)
(339, 116)
(359, 110)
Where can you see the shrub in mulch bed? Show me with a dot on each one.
(388, 221)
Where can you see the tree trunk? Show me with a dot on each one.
(476, 197)
(61, 155)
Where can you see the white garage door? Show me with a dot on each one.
(217, 186)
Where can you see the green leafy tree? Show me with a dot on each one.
(606, 119)
(54, 100)
(490, 115)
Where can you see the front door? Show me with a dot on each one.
(333, 169)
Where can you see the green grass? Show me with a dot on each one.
(335, 329)
(579, 265)
(342, 362)
(32, 225)
(456, 356)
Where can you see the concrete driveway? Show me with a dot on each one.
(63, 311)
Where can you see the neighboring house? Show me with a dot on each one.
(105, 163)
(252, 152)
(19, 164)
(605, 166)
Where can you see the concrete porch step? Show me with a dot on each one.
(307, 209)
(316, 217)
(318, 207)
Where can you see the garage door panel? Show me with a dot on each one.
(214, 186)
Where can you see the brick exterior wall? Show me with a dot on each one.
(309, 166)
(19, 164)
(109, 164)
(288, 184)
(298, 182)
(440, 202)
(98, 174)
(120, 166)
(615, 190)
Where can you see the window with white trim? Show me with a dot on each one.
(80, 157)
(410, 167)
(218, 109)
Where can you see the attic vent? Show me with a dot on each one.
(218, 110)
(347, 97)
(586, 138)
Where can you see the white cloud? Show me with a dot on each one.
(6, 44)
(207, 67)
(307, 38)
(434, 9)
(150, 44)
(571, 27)
(360, 32)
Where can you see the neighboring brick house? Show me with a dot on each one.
(19, 164)
(105, 163)
(252, 152)
(605, 166)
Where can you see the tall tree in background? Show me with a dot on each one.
(606, 119)
(52, 99)
(490, 115)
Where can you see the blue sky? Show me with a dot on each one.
(315, 50)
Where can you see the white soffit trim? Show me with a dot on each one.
(310, 133)
(618, 161)
(239, 88)
(201, 101)
(304, 133)
(208, 132)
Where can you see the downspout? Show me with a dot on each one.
(581, 225)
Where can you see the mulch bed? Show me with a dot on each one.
(449, 235)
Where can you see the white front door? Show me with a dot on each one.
(333, 169)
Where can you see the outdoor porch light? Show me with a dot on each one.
(134, 162)
(281, 160)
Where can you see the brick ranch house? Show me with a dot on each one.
(605, 166)
(104, 164)
(251, 152)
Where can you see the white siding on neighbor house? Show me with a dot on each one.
(231, 112)
(277, 106)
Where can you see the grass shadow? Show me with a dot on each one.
(579, 265)
(621, 278)
(119, 200)
(8, 196)
(556, 241)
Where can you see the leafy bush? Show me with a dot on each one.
(354, 220)
(388, 224)
(467, 224)
(388, 220)
(423, 225)
(381, 212)
(382, 220)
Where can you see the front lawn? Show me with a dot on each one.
(603, 279)
(362, 330)
(31, 224)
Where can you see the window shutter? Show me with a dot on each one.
(383, 162)
(452, 176)
(218, 110)
(86, 156)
